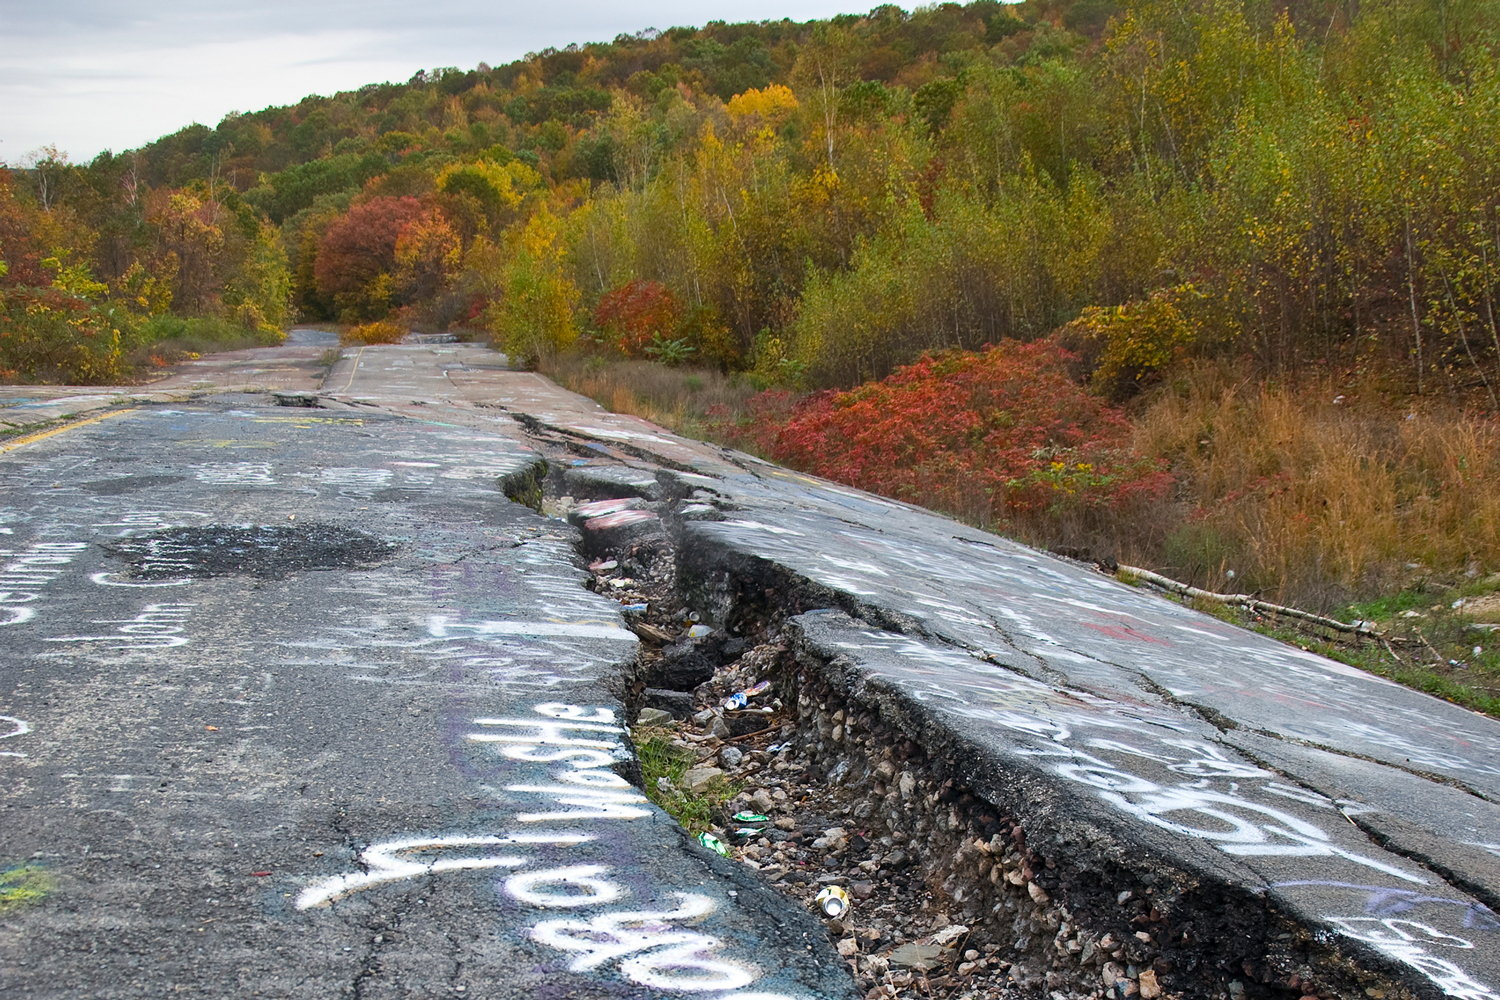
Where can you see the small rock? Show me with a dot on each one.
(949, 934)
(699, 778)
(720, 728)
(862, 890)
(704, 717)
(653, 717)
(730, 757)
(1112, 973)
(1038, 894)
(897, 859)
(1150, 988)
(679, 704)
(848, 947)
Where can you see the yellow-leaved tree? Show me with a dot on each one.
(532, 315)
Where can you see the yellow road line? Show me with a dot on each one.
(24, 440)
(353, 370)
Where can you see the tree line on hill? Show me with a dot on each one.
(1293, 181)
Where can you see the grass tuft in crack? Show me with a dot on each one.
(663, 758)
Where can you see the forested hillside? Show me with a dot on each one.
(820, 202)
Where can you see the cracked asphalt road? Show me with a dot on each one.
(355, 779)
(371, 746)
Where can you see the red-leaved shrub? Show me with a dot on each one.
(999, 435)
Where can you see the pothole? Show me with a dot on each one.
(259, 550)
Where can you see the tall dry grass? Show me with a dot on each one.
(675, 397)
(1319, 500)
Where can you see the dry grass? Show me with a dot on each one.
(1318, 501)
(675, 397)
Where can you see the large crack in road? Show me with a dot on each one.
(1003, 878)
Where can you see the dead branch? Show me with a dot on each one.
(1246, 601)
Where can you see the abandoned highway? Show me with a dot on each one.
(312, 685)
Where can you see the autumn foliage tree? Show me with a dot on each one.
(635, 314)
(356, 259)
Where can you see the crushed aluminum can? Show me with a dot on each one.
(713, 843)
(833, 901)
(746, 832)
(741, 698)
(750, 817)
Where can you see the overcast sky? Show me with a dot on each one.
(87, 75)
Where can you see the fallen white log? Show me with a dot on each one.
(1246, 601)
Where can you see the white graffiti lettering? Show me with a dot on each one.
(19, 727)
(234, 473)
(29, 571)
(528, 887)
(1405, 941)
(664, 957)
(649, 949)
(388, 862)
(158, 626)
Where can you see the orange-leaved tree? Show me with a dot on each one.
(636, 314)
(356, 261)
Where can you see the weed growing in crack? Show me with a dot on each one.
(660, 759)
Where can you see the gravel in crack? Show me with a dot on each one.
(895, 936)
(260, 550)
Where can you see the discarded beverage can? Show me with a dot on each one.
(750, 817)
(746, 832)
(833, 900)
(713, 843)
(741, 698)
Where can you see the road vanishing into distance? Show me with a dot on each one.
(303, 695)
